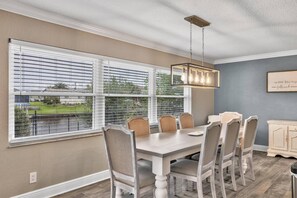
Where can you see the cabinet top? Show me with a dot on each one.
(288, 122)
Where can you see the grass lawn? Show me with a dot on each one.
(46, 109)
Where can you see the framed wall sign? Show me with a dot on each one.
(282, 81)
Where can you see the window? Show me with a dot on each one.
(126, 91)
(54, 91)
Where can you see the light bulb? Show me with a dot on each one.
(190, 77)
(183, 76)
(197, 77)
(202, 80)
(208, 80)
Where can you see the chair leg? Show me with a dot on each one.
(113, 191)
(250, 159)
(199, 188)
(233, 176)
(212, 185)
(222, 183)
(118, 192)
(174, 186)
(168, 185)
(241, 171)
(184, 185)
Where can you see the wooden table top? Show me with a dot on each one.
(164, 144)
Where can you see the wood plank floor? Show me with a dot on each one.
(272, 181)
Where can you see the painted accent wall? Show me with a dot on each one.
(60, 161)
(243, 89)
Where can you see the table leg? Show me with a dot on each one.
(161, 186)
(161, 167)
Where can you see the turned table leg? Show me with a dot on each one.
(161, 168)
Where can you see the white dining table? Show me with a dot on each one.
(161, 148)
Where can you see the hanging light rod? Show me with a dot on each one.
(197, 21)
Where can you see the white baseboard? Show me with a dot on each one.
(262, 148)
(67, 186)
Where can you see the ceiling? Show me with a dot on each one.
(239, 28)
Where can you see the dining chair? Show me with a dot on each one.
(140, 125)
(245, 148)
(185, 121)
(197, 171)
(125, 173)
(167, 123)
(228, 115)
(226, 156)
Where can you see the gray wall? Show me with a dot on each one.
(243, 89)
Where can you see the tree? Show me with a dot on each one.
(53, 100)
(119, 109)
(22, 123)
(59, 86)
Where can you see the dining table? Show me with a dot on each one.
(161, 148)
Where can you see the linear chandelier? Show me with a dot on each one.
(194, 75)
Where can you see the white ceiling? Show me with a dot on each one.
(238, 27)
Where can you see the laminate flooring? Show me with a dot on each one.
(272, 181)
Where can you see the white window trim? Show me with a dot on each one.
(97, 93)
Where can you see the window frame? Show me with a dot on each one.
(98, 93)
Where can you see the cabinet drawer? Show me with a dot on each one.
(293, 128)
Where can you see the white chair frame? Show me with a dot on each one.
(203, 171)
(115, 177)
(228, 160)
(246, 153)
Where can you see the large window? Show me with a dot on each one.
(54, 91)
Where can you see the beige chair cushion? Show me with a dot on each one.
(185, 167)
(146, 177)
(139, 125)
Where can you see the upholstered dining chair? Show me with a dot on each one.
(196, 171)
(226, 156)
(185, 121)
(167, 123)
(228, 115)
(140, 125)
(245, 148)
(125, 173)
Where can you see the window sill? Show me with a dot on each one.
(52, 138)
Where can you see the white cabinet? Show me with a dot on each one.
(282, 138)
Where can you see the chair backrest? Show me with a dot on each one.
(227, 116)
(121, 154)
(140, 125)
(249, 133)
(214, 118)
(167, 123)
(230, 138)
(210, 144)
(186, 121)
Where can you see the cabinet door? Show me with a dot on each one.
(292, 141)
(278, 137)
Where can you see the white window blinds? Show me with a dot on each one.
(51, 92)
(170, 100)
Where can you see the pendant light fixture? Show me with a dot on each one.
(194, 75)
